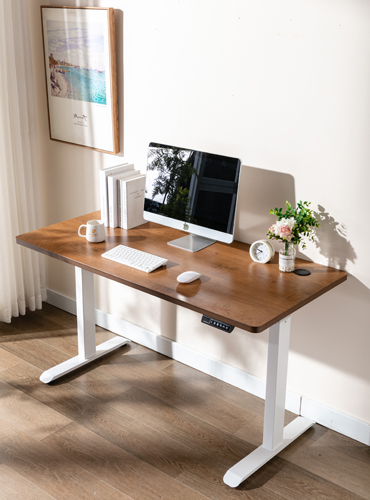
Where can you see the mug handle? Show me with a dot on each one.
(79, 229)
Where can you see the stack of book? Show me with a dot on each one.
(122, 191)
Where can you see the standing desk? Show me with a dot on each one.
(232, 289)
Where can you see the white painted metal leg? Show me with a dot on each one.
(260, 456)
(87, 349)
(85, 312)
(275, 436)
(277, 370)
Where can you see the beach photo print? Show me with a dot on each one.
(76, 61)
(81, 80)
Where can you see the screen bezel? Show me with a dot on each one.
(188, 226)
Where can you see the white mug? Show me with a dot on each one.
(95, 231)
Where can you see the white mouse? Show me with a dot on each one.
(188, 277)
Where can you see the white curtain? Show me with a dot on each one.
(22, 276)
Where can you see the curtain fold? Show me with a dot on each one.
(22, 273)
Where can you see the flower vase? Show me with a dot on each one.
(287, 257)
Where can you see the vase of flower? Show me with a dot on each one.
(290, 228)
(287, 257)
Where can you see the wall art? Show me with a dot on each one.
(81, 76)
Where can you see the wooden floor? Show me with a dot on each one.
(138, 425)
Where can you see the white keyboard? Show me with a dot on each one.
(134, 258)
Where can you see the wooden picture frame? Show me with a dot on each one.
(81, 76)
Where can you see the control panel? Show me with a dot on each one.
(217, 324)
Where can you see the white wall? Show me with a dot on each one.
(285, 87)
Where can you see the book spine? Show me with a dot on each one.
(119, 204)
(112, 201)
(103, 197)
(124, 205)
(135, 202)
(132, 202)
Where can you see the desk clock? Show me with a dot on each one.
(262, 251)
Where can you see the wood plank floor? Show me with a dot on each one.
(137, 425)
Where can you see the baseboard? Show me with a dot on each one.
(300, 405)
(335, 420)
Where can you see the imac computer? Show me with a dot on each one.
(193, 191)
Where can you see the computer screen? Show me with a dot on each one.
(193, 191)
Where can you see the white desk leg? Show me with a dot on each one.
(275, 436)
(87, 349)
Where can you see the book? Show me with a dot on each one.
(113, 194)
(132, 201)
(103, 186)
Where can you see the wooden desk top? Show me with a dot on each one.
(232, 288)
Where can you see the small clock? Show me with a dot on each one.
(262, 251)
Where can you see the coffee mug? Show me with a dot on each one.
(95, 231)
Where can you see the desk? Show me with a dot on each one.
(232, 289)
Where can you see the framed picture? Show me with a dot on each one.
(81, 77)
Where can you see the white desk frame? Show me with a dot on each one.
(275, 436)
(87, 349)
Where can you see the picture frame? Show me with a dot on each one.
(81, 76)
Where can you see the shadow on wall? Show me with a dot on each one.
(259, 191)
(333, 330)
(332, 241)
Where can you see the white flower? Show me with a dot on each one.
(286, 222)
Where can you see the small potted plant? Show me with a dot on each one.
(290, 228)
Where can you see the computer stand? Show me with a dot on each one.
(192, 242)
